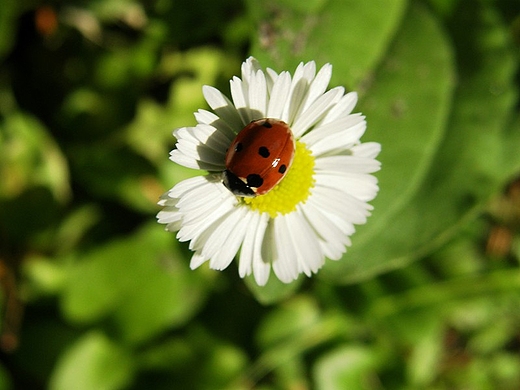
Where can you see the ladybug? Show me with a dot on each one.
(259, 157)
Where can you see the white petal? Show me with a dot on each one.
(199, 215)
(316, 111)
(258, 95)
(210, 137)
(367, 149)
(171, 219)
(346, 227)
(319, 85)
(222, 246)
(309, 255)
(251, 251)
(197, 260)
(261, 267)
(196, 203)
(351, 164)
(208, 118)
(202, 209)
(167, 216)
(223, 107)
(246, 251)
(341, 133)
(285, 265)
(333, 240)
(309, 71)
(203, 144)
(184, 160)
(279, 94)
(250, 67)
(361, 186)
(268, 250)
(187, 185)
(171, 215)
(271, 77)
(338, 202)
(342, 108)
(299, 88)
(240, 95)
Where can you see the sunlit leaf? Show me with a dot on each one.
(407, 112)
(93, 362)
(30, 157)
(348, 367)
(141, 282)
(288, 320)
(352, 35)
(426, 354)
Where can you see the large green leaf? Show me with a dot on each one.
(140, 282)
(93, 362)
(407, 111)
(474, 160)
(352, 35)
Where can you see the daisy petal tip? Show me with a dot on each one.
(261, 280)
(197, 260)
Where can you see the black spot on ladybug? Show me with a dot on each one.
(282, 168)
(263, 151)
(254, 180)
(267, 124)
(239, 147)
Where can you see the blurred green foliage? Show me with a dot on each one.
(95, 295)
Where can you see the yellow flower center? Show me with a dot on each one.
(294, 188)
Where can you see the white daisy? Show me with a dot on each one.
(310, 214)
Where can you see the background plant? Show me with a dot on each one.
(97, 296)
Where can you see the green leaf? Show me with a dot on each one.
(504, 282)
(29, 157)
(407, 111)
(309, 6)
(288, 320)
(426, 354)
(347, 367)
(352, 35)
(511, 141)
(115, 172)
(470, 166)
(274, 290)
(5, 379)
(93, 362)
(9, 12)
(141, 282)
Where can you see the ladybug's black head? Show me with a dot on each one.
(236, 185)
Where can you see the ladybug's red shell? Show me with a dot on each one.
(259, 157)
